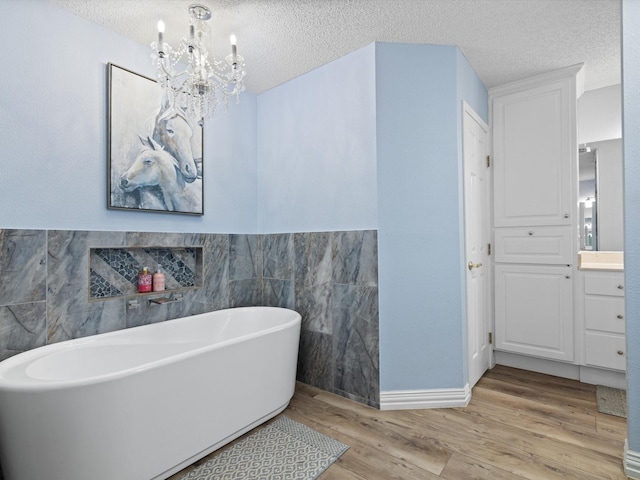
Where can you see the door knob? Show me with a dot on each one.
(472, 265)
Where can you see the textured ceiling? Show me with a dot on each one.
(504, 40)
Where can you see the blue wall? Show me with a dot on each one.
(372, 140)
(54, 131)
(471, 90)
(316, 149)
(355, 145)
(420, 238)
(631, 127)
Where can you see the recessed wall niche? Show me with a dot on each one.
(113, 272)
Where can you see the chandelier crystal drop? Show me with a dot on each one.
(190, 77)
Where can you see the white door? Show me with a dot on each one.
(477, 235)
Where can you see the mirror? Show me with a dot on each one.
(600, 196)
(587, 196)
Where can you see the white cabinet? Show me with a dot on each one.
(534, 310)
(602, 305)
(535, 174)
(534, 145)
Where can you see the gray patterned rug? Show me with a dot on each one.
(611, 401)
(281, 450)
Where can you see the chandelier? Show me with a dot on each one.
(190, 78)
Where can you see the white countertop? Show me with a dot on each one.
(601, 260)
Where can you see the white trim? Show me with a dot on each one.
(547, 77)
(631, 462)
(419, 399)
(466, 108)
(600, 376)
(537, 364)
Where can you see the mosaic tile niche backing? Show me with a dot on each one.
(114, 271)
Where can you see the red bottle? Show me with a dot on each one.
(144, 281)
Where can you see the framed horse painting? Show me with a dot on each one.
(155, 151)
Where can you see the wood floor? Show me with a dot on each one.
(518, 425)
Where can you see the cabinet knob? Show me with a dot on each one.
(530, 232)
(620, 352)
(567, 276)
(566, 215)
(620, 287)
(620, 316)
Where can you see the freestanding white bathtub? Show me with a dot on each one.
(143, 403)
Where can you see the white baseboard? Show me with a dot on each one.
(599, 376)
(540, 365)
(631, 462)
(420, 399)
(592, 375)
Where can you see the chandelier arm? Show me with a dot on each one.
(221, 81)
(170, 78)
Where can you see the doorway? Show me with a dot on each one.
(477, 186)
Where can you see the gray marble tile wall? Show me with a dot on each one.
(329, 277)
(245, 267)
(23, 290)
(44, 285)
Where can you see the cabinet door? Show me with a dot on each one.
(534, 147)
(534, 310)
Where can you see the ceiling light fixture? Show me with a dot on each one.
(189, 77)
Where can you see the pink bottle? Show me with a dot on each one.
(158, 280)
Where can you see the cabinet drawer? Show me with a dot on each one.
(538, 245)
(604, 313)
(604, 285)
(605, 350)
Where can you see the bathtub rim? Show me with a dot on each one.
(20, 381)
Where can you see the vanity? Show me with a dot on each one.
(559, 292)
(600, 317)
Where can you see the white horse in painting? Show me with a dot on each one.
(172, 129)
(156, 167)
